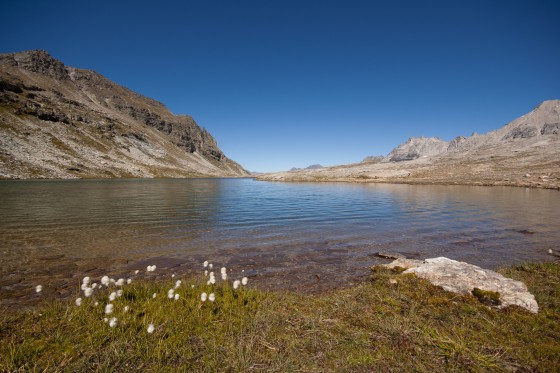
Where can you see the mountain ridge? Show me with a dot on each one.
(88, 126)
(524, 152)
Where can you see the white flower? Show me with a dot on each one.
(112, 280)
(203, 297)
(88, 292)
(113, 322)
(129, 281)
(151, 268)
(192, 286)
(120, 282)
(109, 309)
(105, 319)
(86, 280)
(170, 293)
(125, 309)
(210, 265)
(211, 297)
(224, 276)
(79, 302)
(94, 285)
(154, 295)
(119, 293)
(84, 286)
(38, 288)
(177, 284)
(236, 284)
(223, 270)
(212, 280)
(205, 273)
(244, 281)
(550, 251)
(112, 296)
(173, 275)
(205, 264)
(176, 296)
(96, 304)
(136, 272)
(105, 280)
(151, 328)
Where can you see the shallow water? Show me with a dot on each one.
(306, 236)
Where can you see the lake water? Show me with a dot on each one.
(302, 236)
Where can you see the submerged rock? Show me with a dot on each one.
(464, 278)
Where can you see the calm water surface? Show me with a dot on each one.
(285, 235)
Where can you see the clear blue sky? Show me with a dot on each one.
(284, 84)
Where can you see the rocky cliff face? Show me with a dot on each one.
(540, 123)
(63, 122)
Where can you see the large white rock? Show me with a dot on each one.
(462, 278)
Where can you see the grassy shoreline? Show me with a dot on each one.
(379, 325)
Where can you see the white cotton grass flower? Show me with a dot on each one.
(210, 265)
(151, 328)
(236, 284)
(244, 281)
(177, 284)
(205, 264)
(96, 304)
(38, 288)
(173, 275)
(171, 293)
(205, 273)
(224, 276)
(112, 296)
(105, 319)
(126, 308)
(113, 322)
(176, 296)
(550, 251)
(154, 295)
(86, 280)
(84, 286)
(136, 272)
(112, 280)
(88, 292)
(119, 293)
(120, 282)
(151, 268)
(211, 297)
(109, 308)
(129, 281)
(203, 297)
(94, 285)
(78, 302)
(223, 270)
(105, 280)
(192, 286)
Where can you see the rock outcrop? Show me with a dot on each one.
(63, 122)
(415, 148)
(464, 278)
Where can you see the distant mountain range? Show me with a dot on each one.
(524, 152)
(58, 121)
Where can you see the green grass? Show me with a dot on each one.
(375, 326)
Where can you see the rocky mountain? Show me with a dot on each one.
(524, 152)
(58, 121)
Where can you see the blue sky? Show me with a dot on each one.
(284, 84)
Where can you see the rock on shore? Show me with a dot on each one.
(464, 278)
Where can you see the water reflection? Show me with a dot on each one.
(285, 234)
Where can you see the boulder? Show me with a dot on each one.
(464, 278)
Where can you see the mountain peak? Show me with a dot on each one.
(37, 61)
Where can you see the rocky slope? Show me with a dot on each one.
(62, 122)
(525, 152)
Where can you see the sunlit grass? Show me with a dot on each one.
(392, 322)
